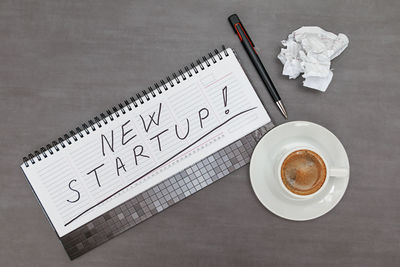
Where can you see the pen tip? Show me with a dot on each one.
(282, 108)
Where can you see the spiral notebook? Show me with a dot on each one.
(146, 140)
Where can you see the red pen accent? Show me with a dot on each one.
(238, 33)
(240, 37)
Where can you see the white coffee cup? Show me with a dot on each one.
(331, 171)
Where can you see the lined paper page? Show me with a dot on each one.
(145, 146)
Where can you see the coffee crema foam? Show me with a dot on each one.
(303, 172)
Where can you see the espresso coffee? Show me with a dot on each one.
(303, 172)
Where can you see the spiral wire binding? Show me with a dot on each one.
(121, 108)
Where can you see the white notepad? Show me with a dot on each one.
(136, 147)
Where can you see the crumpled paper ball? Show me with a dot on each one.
(309, 50)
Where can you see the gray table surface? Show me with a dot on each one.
(63, 62)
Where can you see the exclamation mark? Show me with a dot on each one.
(225, 96)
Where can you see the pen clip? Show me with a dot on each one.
(245, 33)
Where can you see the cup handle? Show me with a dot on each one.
(339, 173)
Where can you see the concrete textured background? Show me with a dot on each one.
(63, 62)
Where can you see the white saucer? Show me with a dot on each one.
(265, 182)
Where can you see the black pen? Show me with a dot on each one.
(249, 47)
